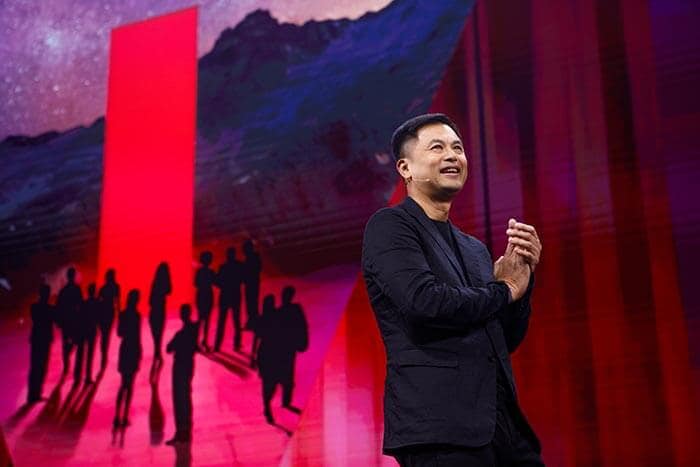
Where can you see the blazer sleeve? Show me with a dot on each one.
(393, 258)
(515, 318)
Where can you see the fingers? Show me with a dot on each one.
(530, 259)
(528, 236)
(523, 232)
(521, 226)
(526, 249)
(516, 241)
(524, 241)
(526, 253)
(509, 249)
(515, 226)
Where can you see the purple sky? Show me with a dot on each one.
(53, 54)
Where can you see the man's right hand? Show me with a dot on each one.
(512, 269)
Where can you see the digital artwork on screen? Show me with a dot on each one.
(226, 156)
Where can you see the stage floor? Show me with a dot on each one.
(74, 426)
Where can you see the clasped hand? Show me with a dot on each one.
(520, 258)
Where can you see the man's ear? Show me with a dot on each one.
(403, 169)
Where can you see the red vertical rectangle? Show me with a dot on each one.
(148, 171)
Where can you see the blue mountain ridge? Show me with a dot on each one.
(292, 138)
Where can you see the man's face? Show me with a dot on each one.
(435, 162)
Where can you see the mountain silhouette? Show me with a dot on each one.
(293, 125)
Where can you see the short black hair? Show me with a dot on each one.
(409, 129)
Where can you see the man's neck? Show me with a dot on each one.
(434, 209)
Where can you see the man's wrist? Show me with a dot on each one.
(509, 290)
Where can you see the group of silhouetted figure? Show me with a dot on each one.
(279, 333)
(79, 321)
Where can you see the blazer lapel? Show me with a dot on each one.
(472, 262)
(417, 212)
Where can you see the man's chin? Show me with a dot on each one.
(447, 192)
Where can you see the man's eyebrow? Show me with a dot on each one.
(435, 140)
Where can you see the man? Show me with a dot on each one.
(252, 267)
(68, 304)
(204, 281)
(295, 340)
(228, 280)
(110, 306)
(40, 341)
(85, 333)
(449, 317)
(183, 345)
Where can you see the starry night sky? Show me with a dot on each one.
(54, 54)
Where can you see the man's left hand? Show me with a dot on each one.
(524, 241)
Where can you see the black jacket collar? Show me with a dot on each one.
(414, 209)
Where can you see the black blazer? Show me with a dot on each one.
(445, 334)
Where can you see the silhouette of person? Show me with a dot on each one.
(85, 333)
(229, 279)
(277, 350)
(110, 304)
(183, 345)
(68, 303)
(294, 339)
(40, 343)
(251, 267)
(204, 281)
(160, 289)
(129, 329)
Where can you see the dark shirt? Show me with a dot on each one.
(130, 351)
(184, 345)
(160, 289)
(229, 279)
(42, 322)
(252, 267)
(88, 318)
(446, 231)
(109, 296)
(444, 228)
(203, 281)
